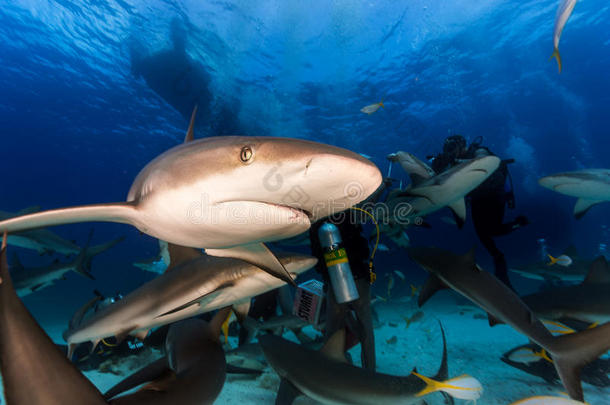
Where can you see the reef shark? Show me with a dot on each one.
(29, 280)
(193, 284)
(230, 195)
(446, 189)
(461, 273)
(590, 186)
(41, 240)
(588, 301)
(326, 377)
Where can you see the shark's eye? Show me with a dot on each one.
(246, 155)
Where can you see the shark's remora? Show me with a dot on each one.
(193, 284)
(590, 186)
(231, 194)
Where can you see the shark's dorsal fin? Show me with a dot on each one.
(181, 254)
(334, 347)
(582, 206)
(190, 133)
(598, 272)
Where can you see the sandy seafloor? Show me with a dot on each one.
(473, 348)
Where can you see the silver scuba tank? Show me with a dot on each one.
(335, 257)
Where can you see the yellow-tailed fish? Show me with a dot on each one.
(380, 298)
(556, 327)
(225, 326)
(563, 14)
(462, 387)
(414, 290)
(372, 108)
(413, 318)
(548, 400)
(563, 260)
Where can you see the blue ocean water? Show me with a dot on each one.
(79, 119)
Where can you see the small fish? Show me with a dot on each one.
(225, 326)
(563, 14)
(400, 274)
(390, 285)
(383, 248)
(380, 298)
(372, 108)
(548, 400)
(392, 340)
(364, 155)
(462, 387)
(556, 327)
(414, 318)
(414, 290)
(563, 260)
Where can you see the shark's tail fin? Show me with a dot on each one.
(80, 262)
(462, 387)
(573, 351)
(112, 212)
(97, 249)
(557, 56)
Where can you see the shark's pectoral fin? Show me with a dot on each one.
(151, 372)
(197, 301)
(287, 393)
(582, 206)
(241, 310)
(112, 212)
(181, 254)
(493, 321)
(259, 255)
(334, 347)
(459, 212)
(432, 285)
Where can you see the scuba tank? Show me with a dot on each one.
(335, 257)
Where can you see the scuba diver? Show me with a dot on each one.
(348, 302)
(488, 201)
(84, 356)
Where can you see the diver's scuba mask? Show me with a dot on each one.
(454, 146)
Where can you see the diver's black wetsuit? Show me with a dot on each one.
(488, 203)
(338, 315)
